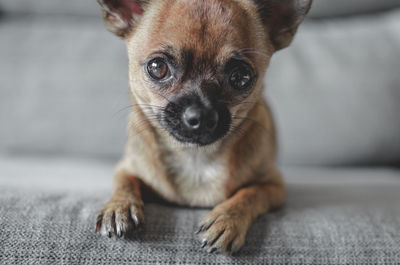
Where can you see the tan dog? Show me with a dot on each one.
(200, 132)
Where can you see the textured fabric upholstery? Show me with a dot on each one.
(66, 80)
(54, 7)
(332, 216)
(329, 8)
(321, 8)
(335, 92)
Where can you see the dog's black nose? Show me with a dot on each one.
(197, 118)
(192, 117)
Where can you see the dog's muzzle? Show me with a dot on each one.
(189, 119)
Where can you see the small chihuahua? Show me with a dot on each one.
(200, 133)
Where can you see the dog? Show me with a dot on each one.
(200, 133)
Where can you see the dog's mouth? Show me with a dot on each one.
(192, 122)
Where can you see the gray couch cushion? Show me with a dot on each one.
(333, 216)
(335, 92)
(56, 7)
(329, 8)
(64, 87)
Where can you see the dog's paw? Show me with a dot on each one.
(222, 231)
(119, 218)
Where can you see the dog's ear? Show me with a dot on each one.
(121, 15)
(281, 19)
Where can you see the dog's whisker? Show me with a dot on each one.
(122, 109)
(143, 107)
(255, 122)
(169, 101)
(141, 126)
(148, 105)
(237, 130)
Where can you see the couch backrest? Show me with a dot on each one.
(64, 88)
(336, 92)
(321, 8)
(335, 8)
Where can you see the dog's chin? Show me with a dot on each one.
(195, 141)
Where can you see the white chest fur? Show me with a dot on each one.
(198, 176)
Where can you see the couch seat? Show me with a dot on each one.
(332, 216)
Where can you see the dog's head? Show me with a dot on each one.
(196, 66)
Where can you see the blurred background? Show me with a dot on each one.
(335, 92)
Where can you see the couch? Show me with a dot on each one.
(64, 101)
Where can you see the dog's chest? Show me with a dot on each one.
(199, 177)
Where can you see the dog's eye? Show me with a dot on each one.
(241, 77)
(158, 69)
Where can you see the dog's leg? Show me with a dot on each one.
(124, 212)
(224, 229)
